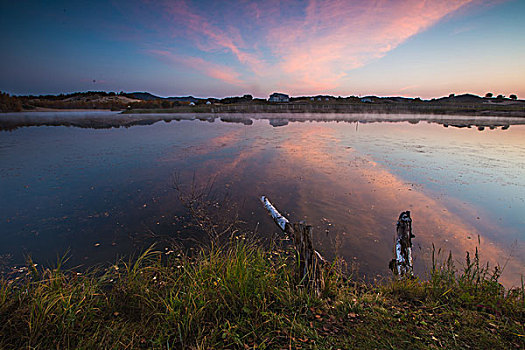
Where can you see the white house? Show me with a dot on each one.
(278, 97)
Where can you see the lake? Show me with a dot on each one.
(101, 194)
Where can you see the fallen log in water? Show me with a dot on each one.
(309, 260)
(401, 265)
(280, 220)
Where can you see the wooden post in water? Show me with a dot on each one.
(402, 264)
(309, 260)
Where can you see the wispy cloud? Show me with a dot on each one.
(462, 29)
(408, 88)
(336, 36)
(209, 37)
(213, 70)
(303, 48)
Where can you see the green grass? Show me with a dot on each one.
(239, 295)
(352, 107)
(178, 109)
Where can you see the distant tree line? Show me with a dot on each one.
(9, 103)
(110, 100)
(71, 95)
(154, 104)
(94, 100)
(122, 100)
(236, 99)
(501, 97)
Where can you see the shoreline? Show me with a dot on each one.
(425, 108)
(238, 295)
(105, 119)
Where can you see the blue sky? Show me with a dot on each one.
(210, 48)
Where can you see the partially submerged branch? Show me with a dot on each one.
(279, 219)
(309, 260)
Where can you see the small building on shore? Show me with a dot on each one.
(278, 97)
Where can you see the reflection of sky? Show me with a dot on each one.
(67, 187)
(484, 169)
(443, 215)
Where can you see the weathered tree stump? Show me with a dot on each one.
(401, 265)
(309, 262)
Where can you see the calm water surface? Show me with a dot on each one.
(106, 193)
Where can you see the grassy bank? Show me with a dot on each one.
(479, 109)
(243, 296)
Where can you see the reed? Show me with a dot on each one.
(239, 295)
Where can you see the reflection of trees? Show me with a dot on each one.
(237, 119)
(127, 120)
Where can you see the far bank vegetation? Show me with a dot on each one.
(9, 103)
(143, 102)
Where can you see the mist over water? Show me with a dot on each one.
(103, 193)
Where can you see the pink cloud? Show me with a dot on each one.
(336, 36)
(209, 37)
(213, 70)
(297, 47)
(409, 87)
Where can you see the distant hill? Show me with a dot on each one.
(139, 100)
(146, 96)
(465, 98)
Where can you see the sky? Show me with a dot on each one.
(412, 48)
